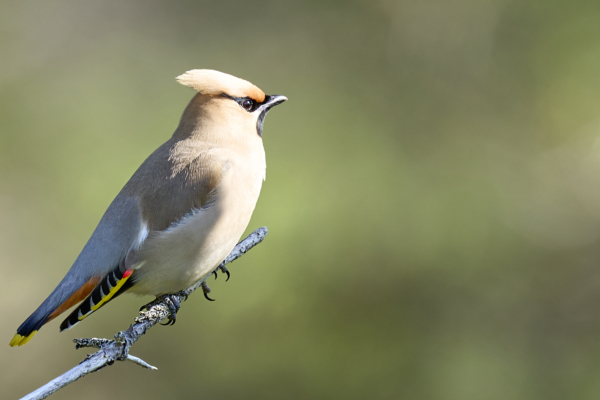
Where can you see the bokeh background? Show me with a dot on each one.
(432, 194)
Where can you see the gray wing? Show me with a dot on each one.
(116, 233)
(118, 230)
(145, 203)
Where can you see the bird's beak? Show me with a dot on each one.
(271, 101)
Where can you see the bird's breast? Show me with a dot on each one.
(183, 254)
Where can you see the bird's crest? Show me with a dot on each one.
(214, 83)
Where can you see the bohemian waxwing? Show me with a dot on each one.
(182, 211)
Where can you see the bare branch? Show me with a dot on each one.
(140, 362)
(118, 349)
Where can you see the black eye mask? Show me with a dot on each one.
(251, 105)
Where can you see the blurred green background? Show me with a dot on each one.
(432, 194)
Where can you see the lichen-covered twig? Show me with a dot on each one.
(118, 349)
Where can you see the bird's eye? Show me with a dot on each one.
(248, 104)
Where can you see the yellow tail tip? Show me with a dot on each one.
(19, 340)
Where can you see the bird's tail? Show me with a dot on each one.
(58, 302)
(110, 286)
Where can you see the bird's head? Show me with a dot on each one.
(225, 98)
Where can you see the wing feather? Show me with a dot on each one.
(145, 204)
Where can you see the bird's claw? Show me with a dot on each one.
(206, 291)
(225, 271)
(171, 301)
(163, 299)
(183, 294)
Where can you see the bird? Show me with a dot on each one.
(182, 211)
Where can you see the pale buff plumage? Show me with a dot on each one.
(213, 83)
(184, 209)
(219, 160)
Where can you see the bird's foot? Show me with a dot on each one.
(171, 301)
(225, 271)
(160, 299)
(206, 291)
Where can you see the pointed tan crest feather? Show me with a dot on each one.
(214, 83)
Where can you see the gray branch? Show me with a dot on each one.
(118, 349)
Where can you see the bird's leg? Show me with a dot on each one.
(225, 271)
(171, 301)
(215, 273)
(206, 291)
(160, 299)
